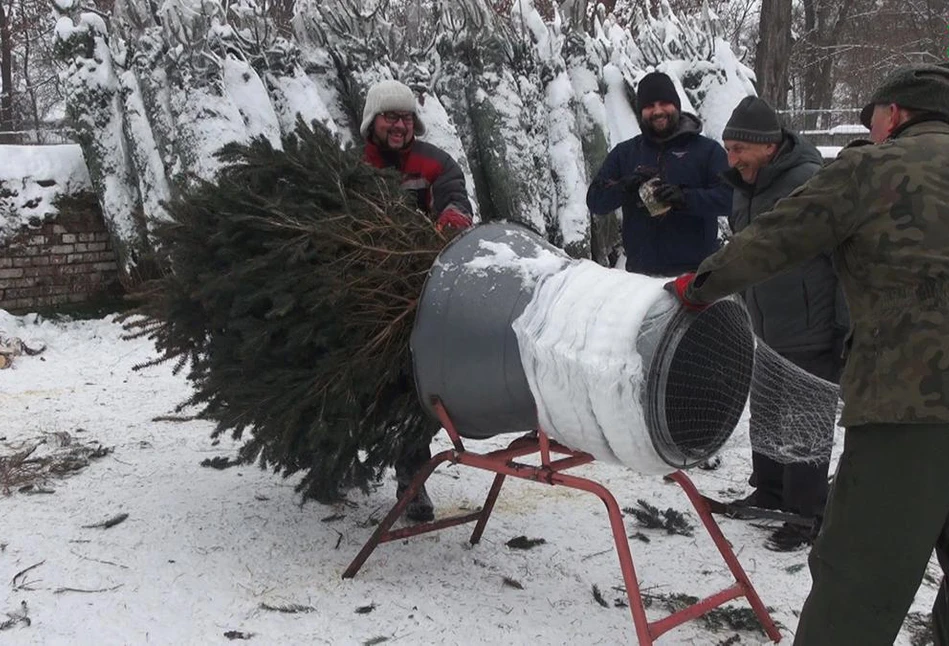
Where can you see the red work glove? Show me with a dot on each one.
(452, 219)
(679, 287)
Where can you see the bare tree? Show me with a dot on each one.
(6, 67)
(893, 33)
(28, 69)
(825, 22)
(847, 46)
(773, 52)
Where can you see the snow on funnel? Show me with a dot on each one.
(512, 335)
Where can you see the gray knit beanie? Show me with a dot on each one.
(754, 121)
(389, 96)
(914, 87)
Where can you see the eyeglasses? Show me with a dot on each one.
(393, 118)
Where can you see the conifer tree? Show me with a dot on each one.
(290, 297)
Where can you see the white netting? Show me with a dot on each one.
(577, 340)
(619, 370)
(793, 412)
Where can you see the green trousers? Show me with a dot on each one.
(888, 509)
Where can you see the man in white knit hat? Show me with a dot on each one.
(390, 122)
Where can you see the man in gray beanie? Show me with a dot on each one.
(390, 122)
(799, 314)
(883, 212)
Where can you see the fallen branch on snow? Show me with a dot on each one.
(61, 590)
(106, 524)
(30, 464)
(220, 462)
(175, 418)
(291, 608)
(89, 558)
(21, 585)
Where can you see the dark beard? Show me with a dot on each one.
(669, 130)
(383, 144)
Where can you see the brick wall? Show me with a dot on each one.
(68, 259)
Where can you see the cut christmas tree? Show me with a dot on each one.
(289, 297)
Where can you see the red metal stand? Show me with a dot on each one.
(502, 463)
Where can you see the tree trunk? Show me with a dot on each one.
(825, 23)
(774, 52)
(6, 71)
(26, 50)
(818, 80)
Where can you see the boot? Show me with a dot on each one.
(790, 537)
(420, 509)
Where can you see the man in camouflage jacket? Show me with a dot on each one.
(883, 211)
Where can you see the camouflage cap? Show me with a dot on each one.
(914, 87)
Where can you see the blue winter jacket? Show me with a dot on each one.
(681, 239)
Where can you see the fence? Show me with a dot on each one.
(821, 121)
(825, 127)
(46, 135)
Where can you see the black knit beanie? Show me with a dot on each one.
(656, 86)
(754, 121)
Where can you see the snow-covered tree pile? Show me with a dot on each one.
(295, 282)
(294, 328)
(528, 105)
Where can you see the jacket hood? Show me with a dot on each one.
(689, 124)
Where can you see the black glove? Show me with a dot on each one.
(631, 183)
(671, 195)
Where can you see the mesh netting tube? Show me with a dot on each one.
(793, 413)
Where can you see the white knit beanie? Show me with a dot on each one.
(386, 96)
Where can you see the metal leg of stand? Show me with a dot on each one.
(640, 622)
(383, 528)
(725, 549)
(487, 508)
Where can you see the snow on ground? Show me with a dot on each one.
(205, 552)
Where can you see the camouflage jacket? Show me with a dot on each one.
(883, 211)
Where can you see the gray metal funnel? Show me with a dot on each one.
(463, 347)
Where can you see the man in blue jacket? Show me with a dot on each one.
(687, 166)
